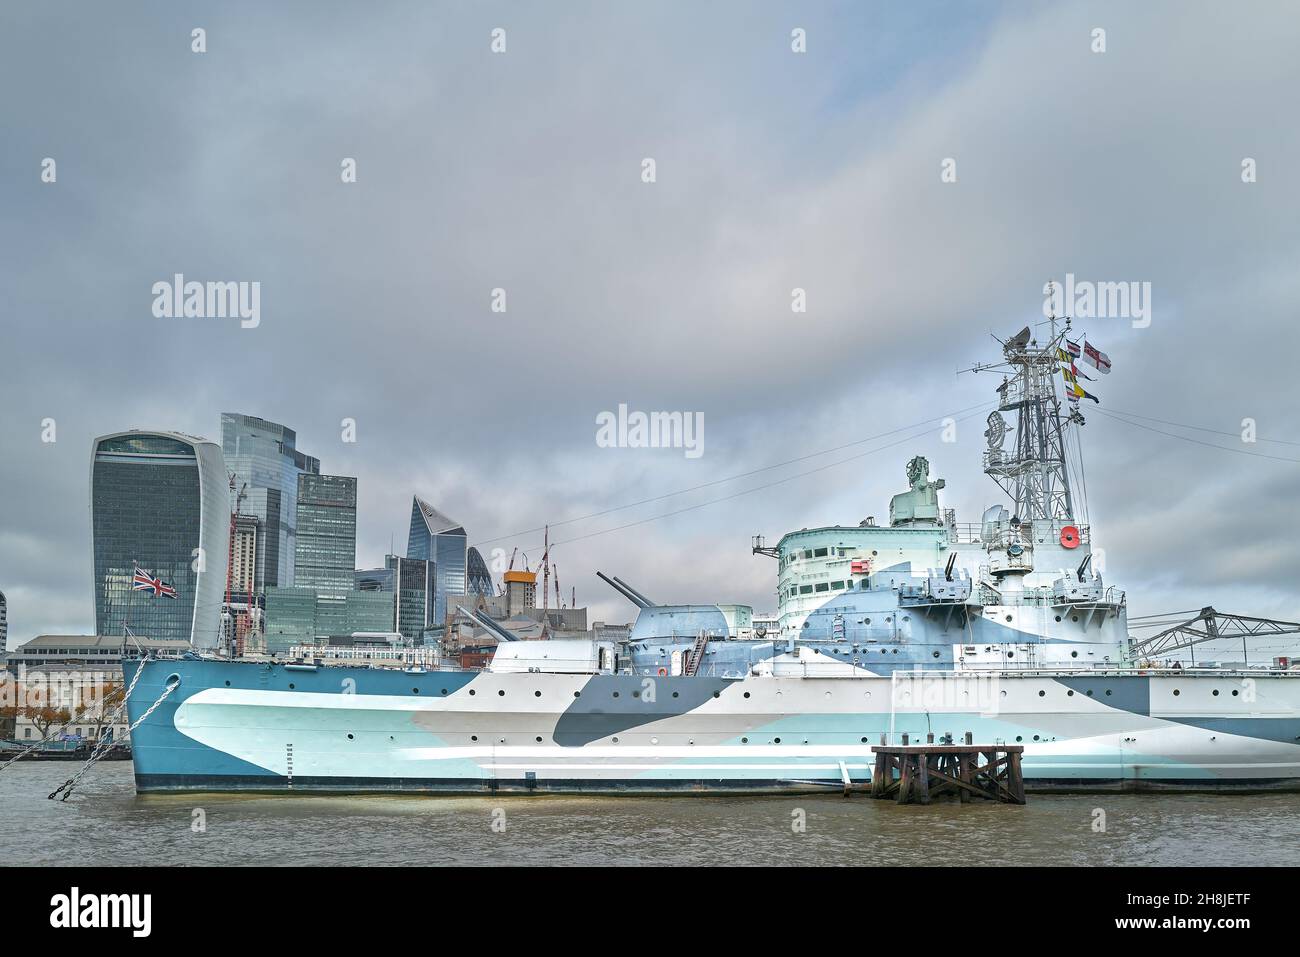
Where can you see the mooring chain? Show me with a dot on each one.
(103, 744)
(49, 735)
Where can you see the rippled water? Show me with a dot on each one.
(106, 823)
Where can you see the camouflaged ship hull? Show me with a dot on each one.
(248, 726)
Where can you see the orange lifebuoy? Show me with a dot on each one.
(1070, 537)
(662, 672)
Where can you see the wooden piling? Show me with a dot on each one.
(916, 774)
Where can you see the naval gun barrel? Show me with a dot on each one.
(648, 602)
(502, 633)
(627, 592)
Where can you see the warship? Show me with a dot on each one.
(1003, 630)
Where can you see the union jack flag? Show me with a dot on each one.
(146, 582)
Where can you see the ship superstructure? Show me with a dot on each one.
(1003, 628)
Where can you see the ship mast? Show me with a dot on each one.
(1034, 472)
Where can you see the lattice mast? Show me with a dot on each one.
(1034, 472)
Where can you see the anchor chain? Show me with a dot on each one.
(102, 745)
(49, 735)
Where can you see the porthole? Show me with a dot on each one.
(539, 739)
(227, 684)
(1042, 694)
(676, 694)
(473, 737)
(1008, 617)
(444, 691)
(1177, 692)
(576, 694)
(1019, 738)
(1069, 694)
(1058, 617)
(746, 694)
(501, 693)
(744, 740)
(415, 691)
(715, 694)
(349, 737)
(616, 740)
(864, 740)
(1089, 692)
(471, 691)
(1107, 692)
(1074, 618)
(1234, 692)
(290, 685)
(895, 650)
(615, 694)
(537, 694)
(1035, 737)
(776, 740)
(1215, 692)
(936, 654)
(1074, 654)
(636, 694)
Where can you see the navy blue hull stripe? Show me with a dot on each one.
(159, 783)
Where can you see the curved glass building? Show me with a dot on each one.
(477, 576)
(160, 503)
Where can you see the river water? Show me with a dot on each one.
(106, 823)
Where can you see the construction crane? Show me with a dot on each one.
(230, 560)
(559, 602)
(546, 569)
(1209, 625)
(512, 559)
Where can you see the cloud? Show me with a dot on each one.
(775, 171)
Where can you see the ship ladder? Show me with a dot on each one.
(692, 666)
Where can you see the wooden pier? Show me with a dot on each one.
(917, 773)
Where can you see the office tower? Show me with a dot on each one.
(160, 521)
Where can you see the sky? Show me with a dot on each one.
(774, 170)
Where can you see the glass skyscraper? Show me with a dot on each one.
(264, 455)
(410, 581)
(438, 539)
(477, 575)
(159, 503)
(325, 552)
